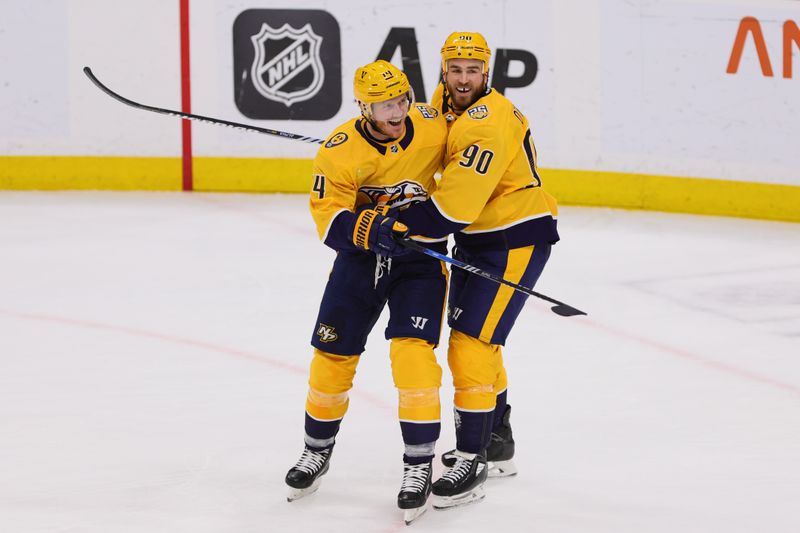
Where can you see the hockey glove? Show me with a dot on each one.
(379, 233)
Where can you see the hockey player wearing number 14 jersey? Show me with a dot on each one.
(490, 197)
(382, 160)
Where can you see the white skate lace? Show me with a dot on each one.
(458, 471)
(381, 262)
(311, 461)
(415, 477)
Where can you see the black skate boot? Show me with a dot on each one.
(500, 452)
(304, 477)
(415, 490)
(462, 483)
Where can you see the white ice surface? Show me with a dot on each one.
(154, 351)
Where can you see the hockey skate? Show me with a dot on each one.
(499, 454)
(462, 483)
(414, 491)
(304, 477)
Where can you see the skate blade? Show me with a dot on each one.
(296, 494)
(502, 468)
(441, 503)
(409, 515)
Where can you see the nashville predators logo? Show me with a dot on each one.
(326, 333)
(479, 112)
(336, 140)
(403, 193)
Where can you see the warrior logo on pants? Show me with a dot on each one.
(419, 322)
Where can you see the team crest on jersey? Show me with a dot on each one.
(283, 55)
(427, 111)
(478, 112)
(403, 193)
(337, 139)
(326, 333)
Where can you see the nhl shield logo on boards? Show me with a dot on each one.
(287, 66)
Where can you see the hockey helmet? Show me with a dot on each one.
(377, 82)
(466, 45)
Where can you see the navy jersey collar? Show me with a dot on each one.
(381, 147)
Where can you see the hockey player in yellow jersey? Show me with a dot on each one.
(384, 159)
(490, 197)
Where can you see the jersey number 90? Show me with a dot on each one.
(474, 157)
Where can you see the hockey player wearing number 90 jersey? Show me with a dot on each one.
(369, 166)
(490, 197)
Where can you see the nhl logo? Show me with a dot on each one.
(287, 66)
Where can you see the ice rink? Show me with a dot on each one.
(153, 364)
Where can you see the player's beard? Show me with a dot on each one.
(462, 101)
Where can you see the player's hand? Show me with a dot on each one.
(379, 233)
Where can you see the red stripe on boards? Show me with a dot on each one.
(186, 97)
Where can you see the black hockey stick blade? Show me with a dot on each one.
(566, 310)
(560, 308)
(199, 118)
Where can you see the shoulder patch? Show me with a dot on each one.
(478, 112)
(336, 139)
(427, 111)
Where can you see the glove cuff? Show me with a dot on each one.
(362, 227)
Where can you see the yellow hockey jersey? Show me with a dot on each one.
(490, 192)
(352, 169)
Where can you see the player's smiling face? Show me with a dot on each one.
(465, 82)
(390, 115)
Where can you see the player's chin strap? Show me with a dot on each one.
(366, 114)
(376, 128)
(560, 308)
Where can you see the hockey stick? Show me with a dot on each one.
(199, 118)
(560, 308)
